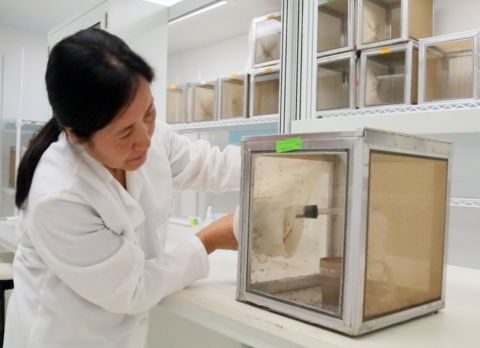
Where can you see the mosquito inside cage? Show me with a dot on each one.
(268, 39)
(381, 20)
(332, 25)
(385, 79)
(204, 102)
(333, 85)
(297, 228)
(450, 70)
(233, 93)
(266, 90)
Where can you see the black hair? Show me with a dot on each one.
(90, 77)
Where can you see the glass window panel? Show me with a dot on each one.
(266, 90)
(333, 85)
(204, 102)
(406, 231)
(297, 228)
(332, 30)
(385, 79)
(176, 100)
(381, 20)
(233, 93)
(449, 70)
(9, 153)
(268, 39)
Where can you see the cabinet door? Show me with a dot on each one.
(94, 17)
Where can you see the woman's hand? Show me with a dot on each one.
(219, 235)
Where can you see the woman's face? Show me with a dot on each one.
(124, 142)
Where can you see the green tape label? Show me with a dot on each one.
(288, 145)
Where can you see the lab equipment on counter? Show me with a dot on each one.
(344, 230)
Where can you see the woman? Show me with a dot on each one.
(94, 189)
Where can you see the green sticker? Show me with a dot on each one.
(288, 145)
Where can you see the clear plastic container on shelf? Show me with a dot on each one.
(233, 96)
(305, 221)
(265, 91)
(267, 40)
(176, 104)
(386, 22)
(389, 75)
(448, 66)
(203, 101)
(335, 27)
(336, 77)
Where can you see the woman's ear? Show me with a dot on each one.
(73, 137)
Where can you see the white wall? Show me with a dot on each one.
(209, 62)
(35, 103)
(456, 16)
(143, 26)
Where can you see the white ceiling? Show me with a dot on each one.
(221, 23)
(41, 15)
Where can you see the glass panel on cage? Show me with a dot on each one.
(176, 102)
(450, 70)
(204, 102)
(381, 20)
(297, 228)
(268, 39)
(385, 79)
(406, 224)
(266, 90)
(332, 29)
(233, 97)
(333, 85)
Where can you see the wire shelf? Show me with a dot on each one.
(398, 109)
(268, 120)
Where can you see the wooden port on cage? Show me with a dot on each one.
(265, 92)
(448, 67)
(266, 40)
(336, 76)
(202, 100)
(348, 231)
(389, 75)
(176, 104)
(386, 22)
(335, 27)
(233, 96)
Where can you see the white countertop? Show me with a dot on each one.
(211, 303)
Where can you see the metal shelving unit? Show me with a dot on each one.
(402, 109)
(237, 123)
(465, 203)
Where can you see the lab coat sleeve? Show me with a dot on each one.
(196, 165)
(107, 268)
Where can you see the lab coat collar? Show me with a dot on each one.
(105, 179)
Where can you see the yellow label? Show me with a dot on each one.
(173, 86)
(385, 50)
(267, 70)
(234, 76)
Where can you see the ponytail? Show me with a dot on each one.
(39, 144)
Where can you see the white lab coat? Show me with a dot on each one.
(91, 259)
